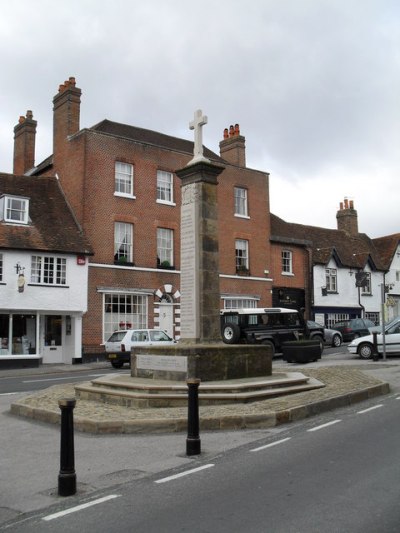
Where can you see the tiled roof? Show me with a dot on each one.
(150, 137)
(52, 226)
(349, 251)
(387, 247)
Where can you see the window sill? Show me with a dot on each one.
(123, 195)
(242, 216)
(166, 202)
(49, 285)
(287, 274)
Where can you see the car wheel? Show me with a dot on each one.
(231, 333)
(365, 350)
(271, 345)
(336, 341)
(117, 364)
(320, 340)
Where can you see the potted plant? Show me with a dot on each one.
(242, 270)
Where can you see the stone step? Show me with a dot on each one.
(141, 392)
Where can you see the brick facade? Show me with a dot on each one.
(84, 160)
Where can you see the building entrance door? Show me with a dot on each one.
(52, 348)
(167, 318)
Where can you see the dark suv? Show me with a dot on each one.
(271, 326)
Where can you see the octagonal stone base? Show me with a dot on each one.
(208, 362)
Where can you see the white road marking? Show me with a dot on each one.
(80, 507)
(186, 473)
(324, 425)
(370, 409)
(9, 393)
(270, 445)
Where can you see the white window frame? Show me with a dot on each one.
(242, 254)
(241, 202)
(165, 187)
(123, 241)
(1, 267)
(331, 280)
(124, 310)
(48, 270)
(366, 289)
(165, 246)
(124, 174)
(16, 209)
(287, 262)
(240, 303)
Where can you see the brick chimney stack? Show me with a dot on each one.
(24, 144)
(232, 148)
(66, 114)
(347, 219)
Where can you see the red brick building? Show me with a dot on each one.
(121, 184)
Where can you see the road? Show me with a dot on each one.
(334, 473)
(31, 380)
(27, 382)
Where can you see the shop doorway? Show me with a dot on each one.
(52, 349)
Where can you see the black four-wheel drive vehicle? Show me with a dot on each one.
(270, 326)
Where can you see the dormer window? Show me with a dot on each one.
(14, 209)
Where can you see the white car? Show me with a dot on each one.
(119, 345)
(364, 346)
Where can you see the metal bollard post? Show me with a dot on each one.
(193, 443)
(375, 355)
(67, 476)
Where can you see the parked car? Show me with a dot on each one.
(331, 337)
(118, 346)
(354, 328)
(270, 326)
(393, 322)
(364, 346)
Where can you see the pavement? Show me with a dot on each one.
(30, 458)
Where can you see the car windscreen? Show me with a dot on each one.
(158, 336)
(117, 336)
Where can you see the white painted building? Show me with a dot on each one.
(43, 274)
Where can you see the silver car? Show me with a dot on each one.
(119, 345)
(332, 337)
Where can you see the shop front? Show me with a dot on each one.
(31, 338)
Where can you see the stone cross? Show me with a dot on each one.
(199, 121)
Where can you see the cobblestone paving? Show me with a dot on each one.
(343, 385)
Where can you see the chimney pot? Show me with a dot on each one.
(226, 133)
(231, 131)
(237, 130)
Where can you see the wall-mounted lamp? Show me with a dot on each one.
(19, 268)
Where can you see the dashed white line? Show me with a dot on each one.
(80, 507)
(322, 426)
(270, 445)
(370, 409)
(186, 473)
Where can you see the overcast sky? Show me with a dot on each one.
(314, 85)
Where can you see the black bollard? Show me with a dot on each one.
(375, 354)
(193, 443)
(67, 476)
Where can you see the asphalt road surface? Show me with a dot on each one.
(335, 473)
